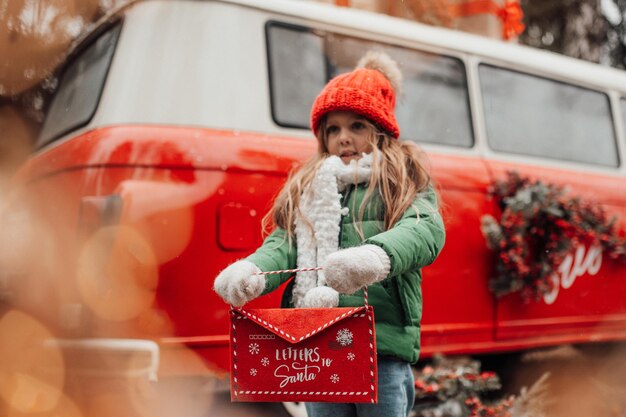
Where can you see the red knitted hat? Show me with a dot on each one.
(368, 91)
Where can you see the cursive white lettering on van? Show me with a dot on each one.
(573, 266)
(296, 373)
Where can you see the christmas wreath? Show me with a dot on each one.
(539, 226)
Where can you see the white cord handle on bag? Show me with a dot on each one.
(284, 271)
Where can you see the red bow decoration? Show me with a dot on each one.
(511, 16)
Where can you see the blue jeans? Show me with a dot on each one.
(396, 394)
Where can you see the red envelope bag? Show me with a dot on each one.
(304, 354)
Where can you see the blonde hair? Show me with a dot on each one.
(397, 173)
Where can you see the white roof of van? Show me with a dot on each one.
(494, 51)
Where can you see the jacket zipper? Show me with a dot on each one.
(344, 200)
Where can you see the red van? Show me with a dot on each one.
(174, 125)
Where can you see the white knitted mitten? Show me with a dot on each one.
(348, 270)
(321, 297)
(237, 284)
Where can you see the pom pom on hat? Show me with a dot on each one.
(369, 90)
(383, 63)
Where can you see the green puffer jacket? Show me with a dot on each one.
(413, 242)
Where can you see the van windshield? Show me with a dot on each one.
(80, 87)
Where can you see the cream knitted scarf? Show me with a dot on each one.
(320, 208)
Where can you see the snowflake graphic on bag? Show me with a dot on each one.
(344, 337)
(253, 348)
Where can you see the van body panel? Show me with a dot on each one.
(461, 270)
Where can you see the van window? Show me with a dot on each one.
(80, 87)
(530, 115)
(434, 106)
(297, 73)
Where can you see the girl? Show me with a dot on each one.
(364, 210)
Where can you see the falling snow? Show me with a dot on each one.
(344, 337)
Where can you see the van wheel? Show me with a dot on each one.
(295, 409)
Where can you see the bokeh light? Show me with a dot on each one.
(31, 373)
(117, 273)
